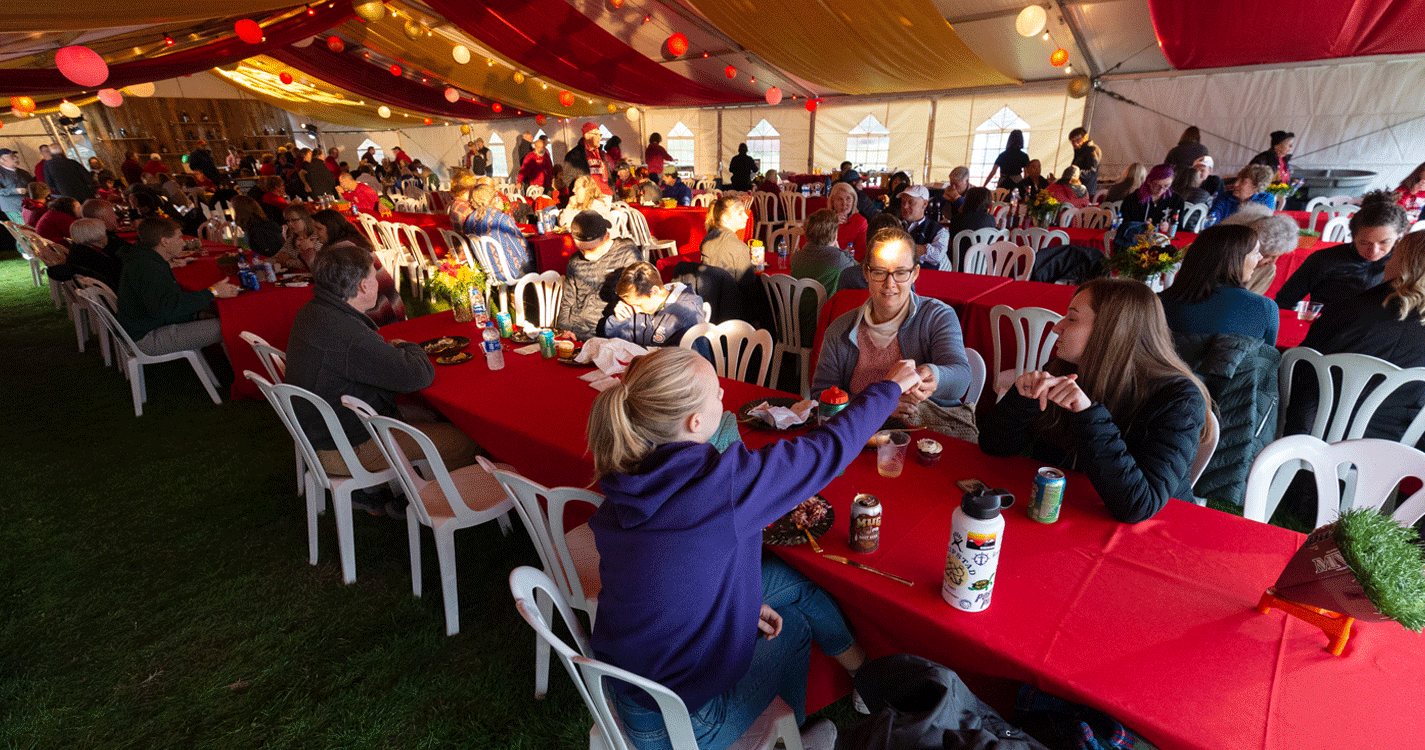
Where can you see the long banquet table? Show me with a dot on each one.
(1152, 622)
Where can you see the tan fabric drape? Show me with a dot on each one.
(854, 46)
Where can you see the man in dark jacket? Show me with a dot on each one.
(319, 178)
(587, 158)
(334, 350)
(68, 177)
(742, 167)
(154, 310)
(200, 159)
(589, 281)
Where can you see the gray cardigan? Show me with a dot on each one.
(930, 335)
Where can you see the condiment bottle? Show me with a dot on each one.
(830, 403)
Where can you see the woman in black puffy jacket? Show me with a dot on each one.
(1116, 402)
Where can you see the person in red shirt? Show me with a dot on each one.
(538, 168)
(655, 154)
(132, 169)
(40, 165)
(274, 196)
(268, 167)
(401, 157)
(53, 225)
(155, 165)
(333, 160)
(357, 193)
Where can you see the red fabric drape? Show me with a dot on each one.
(225, 51)
(349, 71)
(1224, 33)
(554, 40)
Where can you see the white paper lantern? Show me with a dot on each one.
(142, 89)
(451, 95)
(632, 114)
(384, 111)
(303, 43)
(68, 108)
(461, 54)
(1031, 21)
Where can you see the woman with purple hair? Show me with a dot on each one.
(1153, 201)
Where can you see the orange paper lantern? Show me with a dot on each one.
(1058, 57)
(335, 44)
(81, 65)
(730, 71)
(539, 119)
(426, 120)
(677, 44)
(616, 3)
(774, 96)
(566, 98)
(452, 96)
(248, 30)
(286, 78)
(23, 103)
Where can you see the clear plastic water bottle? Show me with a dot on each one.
(477, 306)
(494, 355)
(782, 249)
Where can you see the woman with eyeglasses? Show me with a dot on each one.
(1152, 201)
(861, 346)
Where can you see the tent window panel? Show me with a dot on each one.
(868, 145)
(764, 144)
(990, 137)
(680, 142)
(496, 144)
(361, 150)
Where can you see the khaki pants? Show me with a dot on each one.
(455, 449)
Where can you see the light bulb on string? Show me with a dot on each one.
(1045, 37)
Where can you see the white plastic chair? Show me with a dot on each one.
(548, 291)
(1099, 196)
(977, 377)
(974, 237)
(370, 226)
(218, 230)
(618, 226)
(529, 585)
(451, 500)
(274, 361)
(1206, 446)
(786, 296)
(420, 247)
(1417, 226)
(733, 342)
(283, 398)
(652, 247)
(765, 202)
(1115, 206)
(1065, 215)
(704, 200)
(1037, 239)
(1378, 466)
(569, 558)
(1034, 340)
(999, 195)
(534, 191)
(1337, 229)
(706, 184)
(795, 206)
(134, 358)
(792, 234)
(1092, 218)
(107, 345)
(999, 210)
(1331, 210)
(1002, 258)
(1194, 214)
(1343, 408)
(24, 242)
(456, 246)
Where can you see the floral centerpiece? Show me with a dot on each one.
(1146, 259)
(455, 281)
(1280, 189)
(1043, 207)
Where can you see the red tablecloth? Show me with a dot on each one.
(1291, 331)
(551, 251)
(1288, 263)
(532, 413)
(1301, 217)
(267, 312)
(1152, 622)
(685, 225)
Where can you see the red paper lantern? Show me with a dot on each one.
(811, 105)
(286, 78)
(426, 121)
(335, 44)
(23, 103)
(1058, 57)
(616, 3)
(539, 119)
(677, 44)
(81, 65)
(774, 96)
(110, 97)
(730, 71)
(566, 98)
(451, 95)
(248, 30)
(395, 69)
(497, 108)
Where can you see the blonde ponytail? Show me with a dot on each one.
(645, 410)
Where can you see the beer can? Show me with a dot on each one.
(1048, 495)
(546, 343)
(505, 324)
(865, 523)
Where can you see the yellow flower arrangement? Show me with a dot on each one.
(1043, 207)
(1152, 254)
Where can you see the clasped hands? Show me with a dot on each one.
(1062, 390)
(922, 390)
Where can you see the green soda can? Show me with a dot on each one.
(1048, 495)
(546, 343)
(506, 324)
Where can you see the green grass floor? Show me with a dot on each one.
(155, 591)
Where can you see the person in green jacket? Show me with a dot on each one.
(157, 313)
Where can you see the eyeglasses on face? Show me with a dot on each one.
(881, 274)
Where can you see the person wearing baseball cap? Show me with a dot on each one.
(589, 281)
(931, 240)
(674, 188)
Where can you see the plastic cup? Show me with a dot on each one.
(1308, 310)
(890, 455)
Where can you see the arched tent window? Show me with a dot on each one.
(764, 144)
(604, 134)
(680, 145)
(990, 138)
(368, 143)
(868, 145)
(540, 134)
(496, 144)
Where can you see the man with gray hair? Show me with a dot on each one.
(335, 350)
(88, 255)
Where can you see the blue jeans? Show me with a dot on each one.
(779, 666)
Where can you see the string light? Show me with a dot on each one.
(168, 40)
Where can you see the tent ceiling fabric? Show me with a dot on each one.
(347, 70)
(70, 15)
(554, 40)
(229, 49)
(853, 46)
(1218, 33)
(315, 99)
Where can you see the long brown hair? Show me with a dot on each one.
(1215, 259)
(1129, 351)
(1409, 291)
